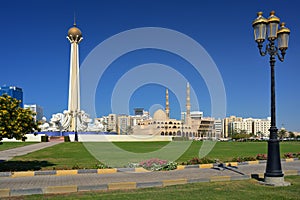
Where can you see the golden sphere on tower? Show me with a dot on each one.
(74, 32)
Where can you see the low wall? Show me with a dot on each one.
(118, 138)
(30, 138)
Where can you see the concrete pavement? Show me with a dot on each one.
(47, 184)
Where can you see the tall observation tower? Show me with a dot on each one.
(75, 37)
(73, 119)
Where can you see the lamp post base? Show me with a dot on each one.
(275, 181)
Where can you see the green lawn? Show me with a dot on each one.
(11, 145)
(62, 156)
(249, 189)
(75, 155)
(224, 151)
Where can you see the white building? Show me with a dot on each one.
(262, 126)
(37, 109)
(218, 128)
(259, 127)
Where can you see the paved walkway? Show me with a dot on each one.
(129, 180)
(10, 153)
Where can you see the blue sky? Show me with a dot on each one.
(35, 52)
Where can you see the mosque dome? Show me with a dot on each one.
(160, 115)
(74, 31)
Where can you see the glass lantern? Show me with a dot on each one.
(272, 26)
(259, 26)
(283, 37)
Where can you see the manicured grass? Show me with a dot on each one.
(62, 156)
(249, 189)
(141, 147)
(75, 155)
(11, 145)
(225, 151)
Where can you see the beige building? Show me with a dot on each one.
(227, 125)
(192, 124)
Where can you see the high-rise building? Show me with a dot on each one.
(37, 109)
(227, 122)
(218, 128)
(261, 127)
(124, 124)
(14, 92)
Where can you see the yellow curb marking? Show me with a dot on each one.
(174, 182)
(255, 162)
(22, 174)
(122, 186)
(291, 172)
(140, 169)
(289, 160)
(66, 172)
(219, 178)
(232, 164)
(4, 192)
(205, 166)
(60, 189)
(107, 171)
(180, 167)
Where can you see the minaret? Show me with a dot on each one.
(188, 103)
(75, 37)
(167, 104)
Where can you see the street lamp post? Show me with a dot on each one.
(269, 27)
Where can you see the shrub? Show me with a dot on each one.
(101, 166)
(155, 164)
(197, 160)
(76, 166)
(292, 155)
(243, 159)
(44, 138)
(66, 138)
(261, 156)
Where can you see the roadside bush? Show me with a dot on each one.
(196, 160)
(243, 159)
(66, 138)
(155, 164)
(292, 155)
(44, 138)
(261, 156)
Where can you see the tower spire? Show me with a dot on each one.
(188, 101)
(167, 104)
(74, 24)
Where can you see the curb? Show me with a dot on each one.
(124, 185)
(133, 170)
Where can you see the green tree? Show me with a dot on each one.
(291, 134)
(15, 121)
(281, 133)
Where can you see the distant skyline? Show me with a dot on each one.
(35, 53)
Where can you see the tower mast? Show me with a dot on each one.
(75, 37)
(188, 103)
(167, 104)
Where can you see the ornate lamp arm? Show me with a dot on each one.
(281, 58)
(260, 46)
